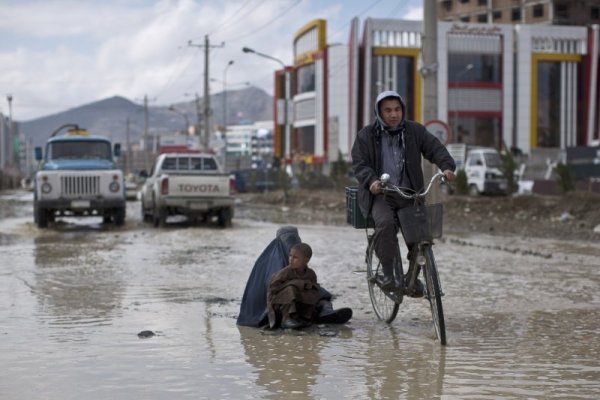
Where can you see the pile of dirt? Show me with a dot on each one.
(574, 216)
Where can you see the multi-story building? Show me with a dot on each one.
(523, 86)
(548, 12)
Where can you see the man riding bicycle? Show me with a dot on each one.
(393, 145)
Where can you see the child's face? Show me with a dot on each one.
(297, 260)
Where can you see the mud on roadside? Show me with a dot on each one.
(573, 216)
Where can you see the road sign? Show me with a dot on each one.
(440, 130)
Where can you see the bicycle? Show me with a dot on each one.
(419, 224)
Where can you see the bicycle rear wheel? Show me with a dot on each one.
(384, 304)
(434, 294)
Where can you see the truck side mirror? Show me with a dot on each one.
(479, 162)
(117, 150)
(38, 153)
(143, 174)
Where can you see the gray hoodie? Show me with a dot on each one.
(385, 95)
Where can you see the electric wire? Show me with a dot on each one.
(245, 35)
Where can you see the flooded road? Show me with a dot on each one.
(522, 315)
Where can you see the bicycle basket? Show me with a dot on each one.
(421, 222)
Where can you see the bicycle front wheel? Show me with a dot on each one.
(434, 294)
(385, 307)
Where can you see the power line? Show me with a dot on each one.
(228, 22)
(244, 36)
(338, 31)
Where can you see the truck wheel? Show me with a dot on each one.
(225, 216)
(145, 216)
(106, 219)
(159, 217)
(473, 190)
(119, 216)
(41, 217)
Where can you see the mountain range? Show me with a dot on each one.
(110, 117)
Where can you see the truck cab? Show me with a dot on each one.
(78, 176)
(483, 168)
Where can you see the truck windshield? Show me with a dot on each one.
(492, 160)
(79, 149)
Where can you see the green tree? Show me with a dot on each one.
(461, 184)
(509, 166)
(564, 177)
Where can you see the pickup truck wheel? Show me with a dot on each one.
(160, 217)
(225, 216)
(146, 217)
(41, 217)
(119, 216)
(473, 190)
(106, 219)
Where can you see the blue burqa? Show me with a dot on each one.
(253, 311)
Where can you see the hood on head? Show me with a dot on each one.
(385, 95)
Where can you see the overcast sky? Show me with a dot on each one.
(59, 54)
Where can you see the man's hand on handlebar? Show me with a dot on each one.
(376, 187)
(450, 176)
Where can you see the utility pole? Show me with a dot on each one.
(128, 164)
(430, 84)
(146, 138)
(206, 46)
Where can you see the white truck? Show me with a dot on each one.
(483, 167)
(189, 184)
(78, 176)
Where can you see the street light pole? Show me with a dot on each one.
(229, 64)
(185, 117)
(287, 89)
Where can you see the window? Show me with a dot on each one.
(475, 160)
(482, 2)
(595, 12)
(169, 164)
(183, 163)
(561, 10)
(497, 15)
(306, 78)
(464, 19)
(306, 140)
(447, 4)
(469, 67)
(482, 18)
(538, 11)
(515, 14)
(79, 149)
(549, 117)
(465, 1)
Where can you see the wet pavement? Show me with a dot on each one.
(522, 315)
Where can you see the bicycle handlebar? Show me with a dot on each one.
(402, 191)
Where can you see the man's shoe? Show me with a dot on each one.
(293, 324)
(418, 289)
(386, 283)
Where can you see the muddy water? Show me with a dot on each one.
(523, 317)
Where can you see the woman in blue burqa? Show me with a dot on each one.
(253, 311)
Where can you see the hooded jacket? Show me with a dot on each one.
(366, 153)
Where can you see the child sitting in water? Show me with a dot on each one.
(293, 292)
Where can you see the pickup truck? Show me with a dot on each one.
(189, 184)
(78, 176)
(483, 167)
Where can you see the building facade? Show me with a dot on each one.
(521, 87)
(547, 12)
